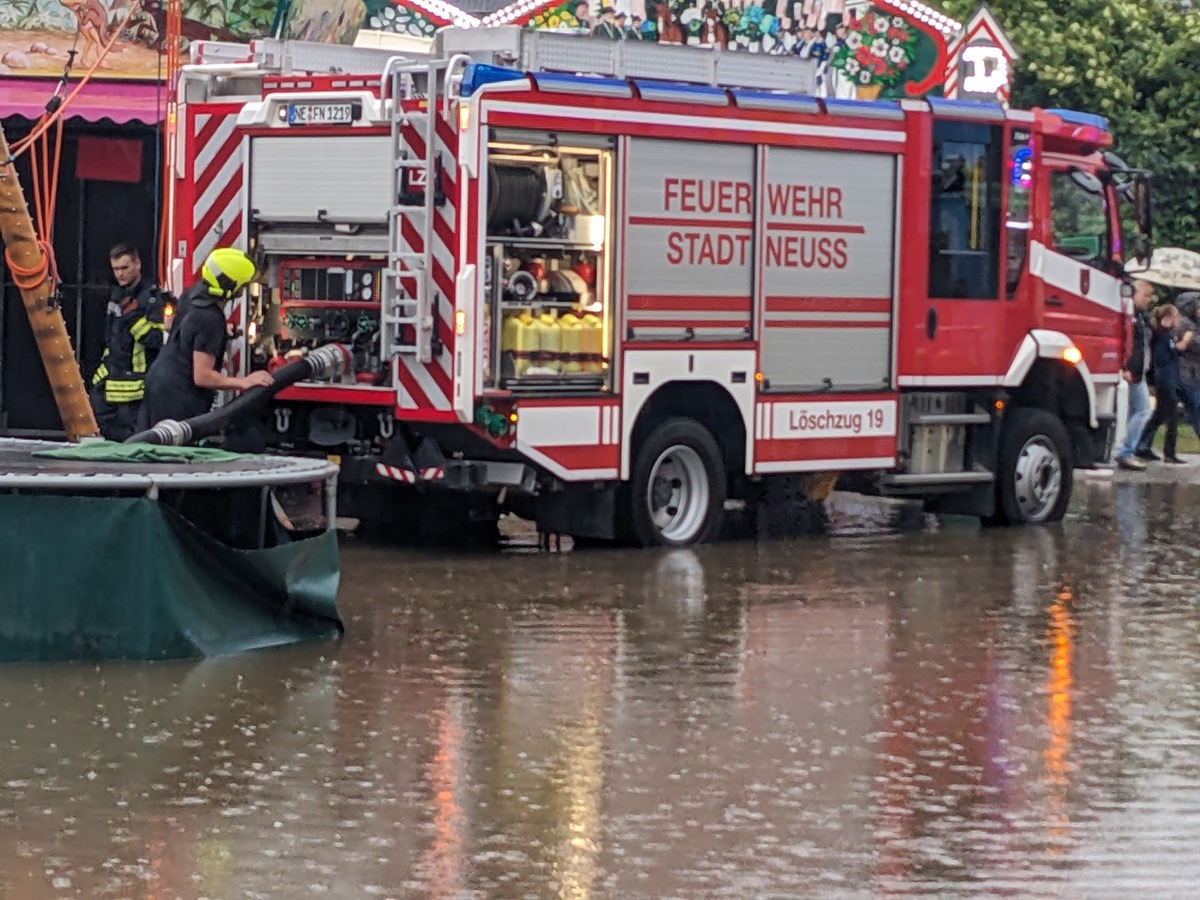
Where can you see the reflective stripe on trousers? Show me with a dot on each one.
(124, 391)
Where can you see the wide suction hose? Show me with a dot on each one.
(329, 361)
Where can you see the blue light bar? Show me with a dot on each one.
(865, 109)
(595, 86)
(682, 93)
(479, 74)
(795, 103)
(973, 110)
(1073, 117)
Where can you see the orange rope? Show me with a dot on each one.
(29, 279)
(174, 37)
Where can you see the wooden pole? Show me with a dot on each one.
(45, 319)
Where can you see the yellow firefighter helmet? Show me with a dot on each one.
(227, 271)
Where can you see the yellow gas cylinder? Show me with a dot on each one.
(549, 353)
(571, 327)
(593, 343)
(519, 341)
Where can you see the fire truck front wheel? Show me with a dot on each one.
(1034, 475)
(677, 493)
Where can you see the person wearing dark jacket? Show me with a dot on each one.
(133, 335)
(1165, 347)
(1134, 374)
(1189, 377)
(184, 380)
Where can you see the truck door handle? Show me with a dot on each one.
(931, 323)
(1054, 301)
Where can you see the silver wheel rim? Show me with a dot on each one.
(677, 494)
(1038, 478)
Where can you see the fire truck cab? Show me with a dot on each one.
(612, 302)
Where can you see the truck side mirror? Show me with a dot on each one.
(1143, 214)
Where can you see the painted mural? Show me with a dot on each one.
(754, 26)
(399, 17)
(861, 49)
(325, 21)
(37, 37)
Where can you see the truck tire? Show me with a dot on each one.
(1033, 480)
(676, 496)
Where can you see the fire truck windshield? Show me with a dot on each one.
(1079, 216)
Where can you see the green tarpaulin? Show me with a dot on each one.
(95, 578)
(111, 451)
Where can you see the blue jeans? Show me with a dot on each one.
(1139, 415)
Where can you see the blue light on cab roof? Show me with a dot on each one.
(1073, 117)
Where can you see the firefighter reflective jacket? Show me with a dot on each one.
(133, 337)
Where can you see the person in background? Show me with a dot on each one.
(133, 335)
(811, 46)
(1189, 376)
(184, 380)
(583, 14)
(1134, 374)
(607, 27)
(1165, 348)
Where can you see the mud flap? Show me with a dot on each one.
(428, 456)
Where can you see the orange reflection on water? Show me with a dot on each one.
(1056, 756)
(445, 856)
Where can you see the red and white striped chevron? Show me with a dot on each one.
(209, 206)
(395, 473)
(408, 476)
(213, 218)
(429, 386)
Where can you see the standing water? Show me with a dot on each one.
(998, 712)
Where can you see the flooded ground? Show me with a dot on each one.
(960, 713)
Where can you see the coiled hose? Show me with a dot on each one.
(331, 360)
(516, 193)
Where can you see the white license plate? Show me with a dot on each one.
(320, 114)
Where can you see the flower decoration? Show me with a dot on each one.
(877, 49)
(557, 18)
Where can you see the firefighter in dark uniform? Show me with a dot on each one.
(133, 335)
(184, 380)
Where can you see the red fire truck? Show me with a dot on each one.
(614, 301)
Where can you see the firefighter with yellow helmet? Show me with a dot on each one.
(185, 378)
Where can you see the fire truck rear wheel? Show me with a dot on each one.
(677, 493)
(1034, 478)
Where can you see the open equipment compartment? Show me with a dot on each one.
(549, 261)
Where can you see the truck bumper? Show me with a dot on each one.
(454, 474)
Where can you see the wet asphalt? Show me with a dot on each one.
(944, 712)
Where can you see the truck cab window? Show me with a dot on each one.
(964, 244)
(1079, 217)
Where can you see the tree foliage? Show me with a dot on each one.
(1136, 62)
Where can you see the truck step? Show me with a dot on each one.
(951, 419)
(932, 479)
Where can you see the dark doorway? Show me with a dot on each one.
(93, 214)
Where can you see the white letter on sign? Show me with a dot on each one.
(981, 80)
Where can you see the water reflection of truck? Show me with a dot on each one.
(612, 303)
